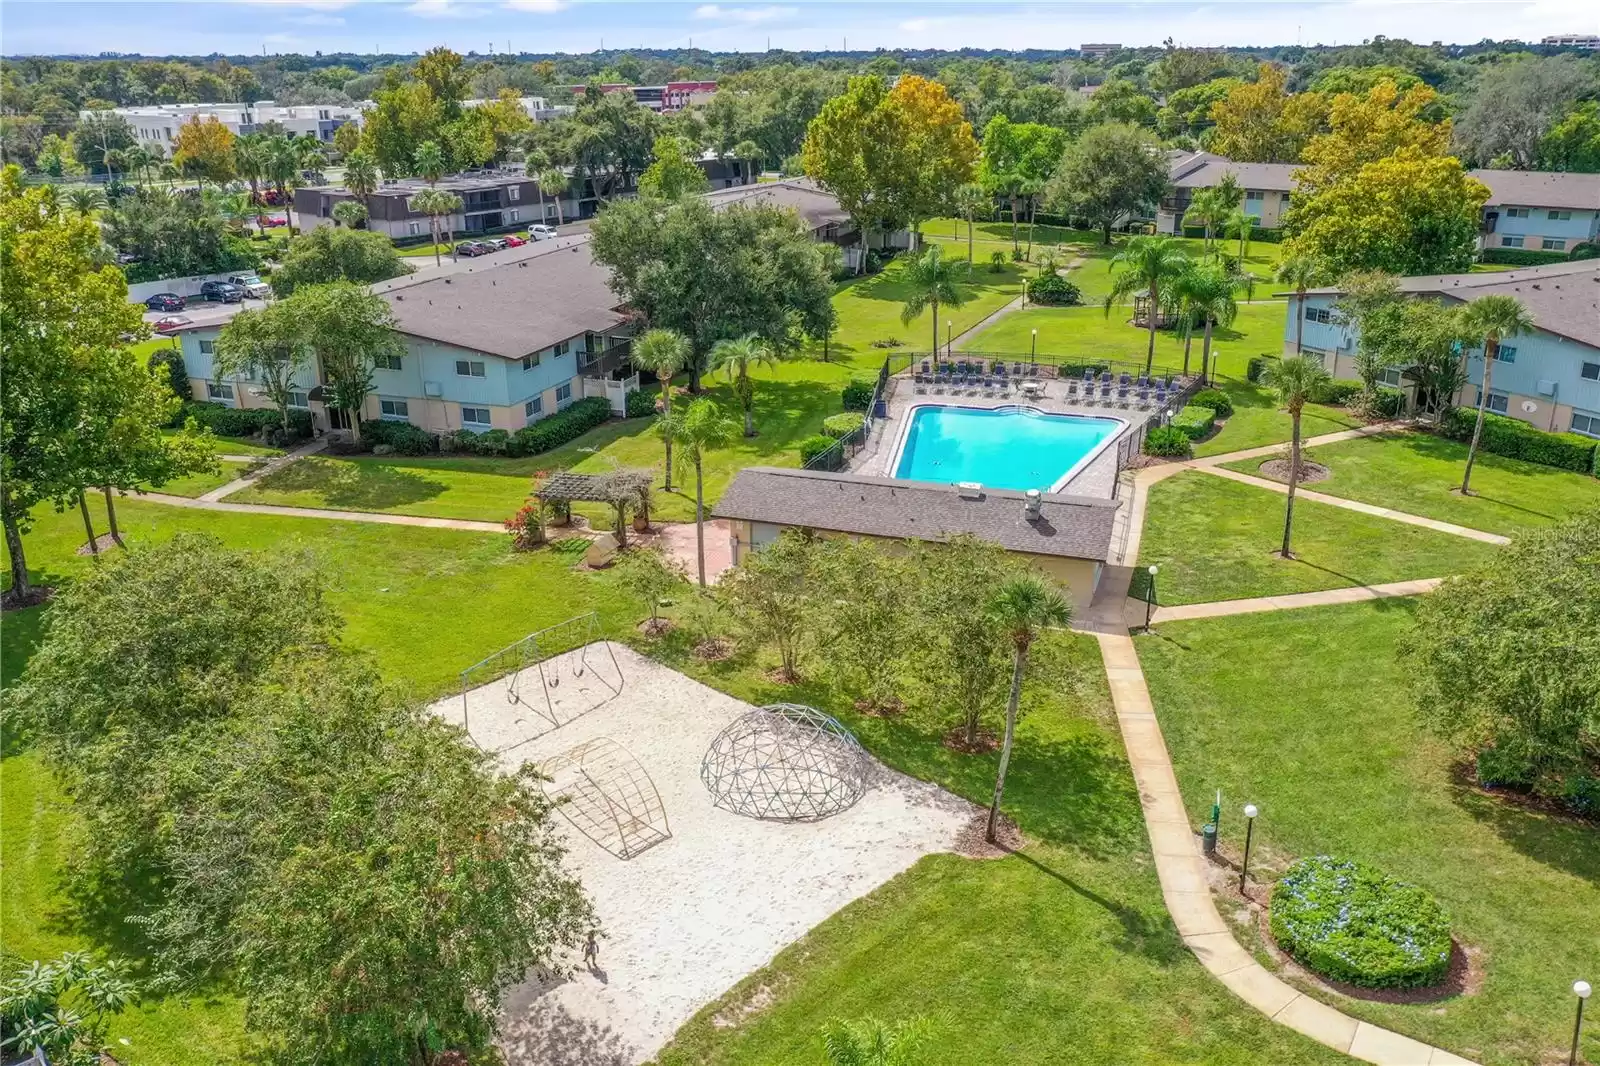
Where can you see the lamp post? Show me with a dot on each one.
(1150, 596)
(1250, 813)
(1033, 350)
(949, 330)
(1582, 990)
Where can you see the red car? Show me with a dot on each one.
(513, 241)
(173, 323)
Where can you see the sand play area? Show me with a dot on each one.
(715, 897)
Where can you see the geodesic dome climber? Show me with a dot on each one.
(785, 762)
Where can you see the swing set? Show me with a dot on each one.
(529, 673)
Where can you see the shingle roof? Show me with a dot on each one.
(1074, 526)
(1541, 188)
(1564, 298)
(815, 207)
(1272, 177)
(520, 301)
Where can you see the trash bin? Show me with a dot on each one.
(880, 409)
(1208, 838)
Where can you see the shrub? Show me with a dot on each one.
(562, 427)
(403, 437)
(168, 362)
(494, 442)
(527, 526)
(1515, 439)
(263, 422)
(812, 447)
(641, 404)
(1215, 399)
(1387, 402)
(1353, 923)
(1582, 795)
(1522, 256)
(1053, 290)
(1336, 393)
(843, 426)
(857, 395)
(1584, 250)
(997, 262)
(1168, 441)
(1258, 364)
(1194, 421)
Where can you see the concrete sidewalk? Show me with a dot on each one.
(1327, 597)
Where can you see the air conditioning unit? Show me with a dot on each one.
(433, 389)
(1546, 387)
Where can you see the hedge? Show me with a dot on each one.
(641, 404)
(1389, 402)
(1515, 439)
(403, 437)
(561, 427)
(1258, 364)
(843, 426)
(1259, 233)
(811, 447)
(1353, 923)
(1053, 290)
(1194, 421)
(264, 422)
(1168, 441)
(1522, 256)
(1336, 393)
(1215, 399)
(858, 394)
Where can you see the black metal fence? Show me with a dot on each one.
(849, 446)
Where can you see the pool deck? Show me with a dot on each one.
(1097, 478)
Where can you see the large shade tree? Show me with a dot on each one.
(350, 329)
(1109, 173)
(269, 346)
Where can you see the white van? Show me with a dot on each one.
(252, 285)
(541, 232)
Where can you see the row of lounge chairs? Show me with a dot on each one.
(980, 377)
(1127, 395)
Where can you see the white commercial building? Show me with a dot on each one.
(156, 126)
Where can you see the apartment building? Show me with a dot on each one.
(491, 201)
(1266, 188)
(1573, 40)
(673, 96)
(156, 127)
(1549, 378)
(1539, 211)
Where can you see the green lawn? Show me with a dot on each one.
(1215, 539)
(1421, 474)
(1305, 714)
(236, 446)
(1257, 420)
(199, 484)
(1072, 333)
(1063, 953)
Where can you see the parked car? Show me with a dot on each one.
(166, 301)
(498, 244)
(541, 232)
(224, 291)
(252, 285)
(513, 241)
(173, 323)
(473, 248)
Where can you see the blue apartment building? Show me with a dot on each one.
(1539, 211)
(1549, 378)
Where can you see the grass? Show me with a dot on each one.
(1061, 953)
(194, 485)
(1216, 539)
(1257, 420)
(1421, 474)
(1329, 746)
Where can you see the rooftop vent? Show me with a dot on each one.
(969, 490)
(1032, 505)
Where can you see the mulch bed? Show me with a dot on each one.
(1278, 470)
(655, 627)
(956, 740)
(1465, 775)
(1141, 460)
(972, 842)
(891, 709)
(103, 542)
(714, 650)
(779, 676)
(10, 601)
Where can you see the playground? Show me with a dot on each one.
(692, 896)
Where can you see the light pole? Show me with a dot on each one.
(1150, 596)
(1250, 813)
(1582, 990)
(1033, 350)
(949, 331)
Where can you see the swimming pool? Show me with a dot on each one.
(1001, 447)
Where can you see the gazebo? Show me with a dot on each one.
(617, 489)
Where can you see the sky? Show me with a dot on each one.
(179, 27)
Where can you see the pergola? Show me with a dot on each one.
(562, 489)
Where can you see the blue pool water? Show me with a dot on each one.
(1003, 448)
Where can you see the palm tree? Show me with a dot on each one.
(1146, 263)
(1205, 210)
(663, 353)
(1022, 606)
(696, 429)
(553, 180)
(361, 174)
(1294, 379)
(281, 164)
(350, 213)
(749, 152)
(930, 281)
(1303, 272)
(250, 160)
(869, 1042)
(736, 357)
(1238, 224)
(972, 202)
(234, 208)
(436, 204)
(1209, 291)
(429, 161)
(309, 152)
(85, 199)
(1488, 320)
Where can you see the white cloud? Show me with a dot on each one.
(746, 15)
(444, 9)
(538, 7)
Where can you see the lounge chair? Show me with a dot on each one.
(1105, 393)
(1072, 390)
(1122, 395)
(1144, 397)
(1161, 396)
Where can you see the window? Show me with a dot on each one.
(413, 229)
(530, 361)
(218, 390)
(1316, 355)
(533, 408)
(469, 368)
(208, 347)
(1319, 314)
(475, 417)
(394, 409)
(1560, 216)
(513, 193)
(562, 349)
(1511, 242)
(1505, 354)
(1590, 372)
(1516, 212)
(511, 215)
(1254, 194)
(1498, 401)
(389, 362)
(299, 399)
(1391, 377)
(1553, 244)
(563, 394)
(1588, 425)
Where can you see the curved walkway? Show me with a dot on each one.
(1324, 598)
